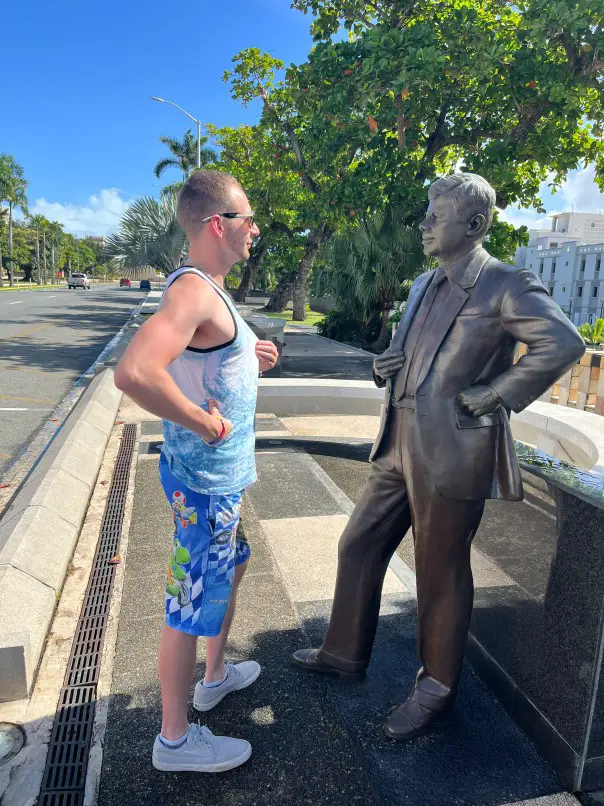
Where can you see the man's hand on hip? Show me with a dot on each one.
(218, 427)
(267, 354)
(388, 364)
(479, 400)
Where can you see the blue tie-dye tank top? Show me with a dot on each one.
(229, 374)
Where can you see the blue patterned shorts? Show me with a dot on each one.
(204, 554)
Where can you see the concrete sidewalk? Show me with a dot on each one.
(315, 741)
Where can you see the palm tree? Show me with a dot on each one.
(593, 335)
(13, 187)
(372, 266)
(55, 234)
(148, 235)
(3, 220)
(40, 224)
(184, 155)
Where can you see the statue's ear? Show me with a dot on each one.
(478, 225)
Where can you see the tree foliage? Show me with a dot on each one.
(148, 235)
(184, 154)
(369, 267)
(511, 91)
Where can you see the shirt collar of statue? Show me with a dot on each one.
(456, 271)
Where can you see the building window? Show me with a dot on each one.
(582, 269)
(553, 267)
(551, 290)
(541, 268)
(554, 244)
(564, 289)
(590, 318)
(594, 292)
(598, 263)
(580, 291)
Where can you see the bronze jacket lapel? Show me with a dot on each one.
(453, 305)
(416, 296)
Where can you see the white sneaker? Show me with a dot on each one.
(201, 752)
(240, 675)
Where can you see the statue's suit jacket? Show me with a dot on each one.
(491, 308)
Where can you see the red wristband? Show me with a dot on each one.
(219, 437)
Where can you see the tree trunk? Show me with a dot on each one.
(11, 268)
(52, 259)
(311, 247)
(38, 266)
(1, 269)
(44, 253)
(282, 294)
(249, 274)
(385, 334)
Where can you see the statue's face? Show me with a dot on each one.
(445, 231)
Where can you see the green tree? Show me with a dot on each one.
(512, 91)
(371, 266)
(251, 154)
(55, 237)
(148, 235)
(321, 209)
(13, 189)
(40, 225)
(593, 335)
(184, 155)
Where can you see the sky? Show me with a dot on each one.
(76, 109)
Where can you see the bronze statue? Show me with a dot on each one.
(444, 444)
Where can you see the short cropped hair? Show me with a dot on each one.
(470, 193)
(204, 193)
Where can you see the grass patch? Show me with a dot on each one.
(28, 287)
(312, 317)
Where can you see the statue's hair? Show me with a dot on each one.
(471, 194)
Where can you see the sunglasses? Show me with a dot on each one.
(249, 217)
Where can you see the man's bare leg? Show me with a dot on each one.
(215, 668)
(176, 673)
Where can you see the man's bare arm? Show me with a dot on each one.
(142, 372)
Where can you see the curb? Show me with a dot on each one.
(39, 531)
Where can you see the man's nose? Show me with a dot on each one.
(255, 230)
(424, 225)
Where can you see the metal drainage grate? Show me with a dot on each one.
(67, 761)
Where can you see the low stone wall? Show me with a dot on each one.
(582, 387)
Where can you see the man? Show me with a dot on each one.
(444, 444)
(195, 364)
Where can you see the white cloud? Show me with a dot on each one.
(578, 192)
(99, 217)
(528, 218)
(581, 192)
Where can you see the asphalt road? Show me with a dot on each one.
(47, 340)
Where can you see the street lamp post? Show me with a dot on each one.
(163, 101)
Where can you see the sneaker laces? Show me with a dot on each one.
(232, 671)
(200, 734)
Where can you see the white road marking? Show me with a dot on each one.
(17, 303)
(8, 409)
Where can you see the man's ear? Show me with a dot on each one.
(478, 226)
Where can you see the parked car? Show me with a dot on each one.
(125, 282)
(145, 285)
(78, 281)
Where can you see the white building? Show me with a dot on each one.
(573, 273)
(583, 227)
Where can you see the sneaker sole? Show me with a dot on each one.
(222, 767)
(207, 706)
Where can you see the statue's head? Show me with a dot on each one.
(459, 215)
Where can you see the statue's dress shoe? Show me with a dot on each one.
(428, 702)
(307, 659)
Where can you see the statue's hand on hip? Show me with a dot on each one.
(479, 400)
(388, 364)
